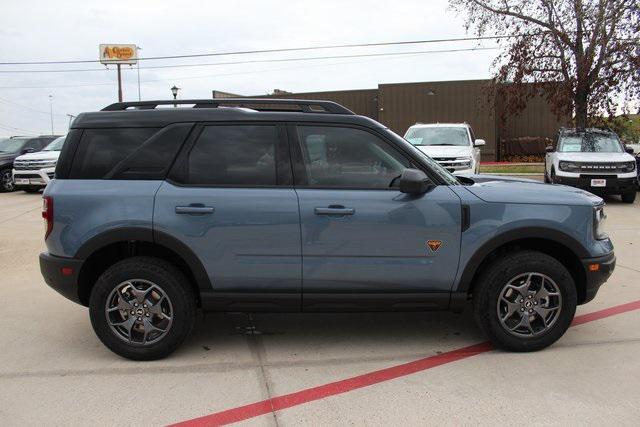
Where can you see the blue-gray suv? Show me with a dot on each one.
(301, 206)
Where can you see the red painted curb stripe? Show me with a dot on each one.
(343, 386)
(607, 312)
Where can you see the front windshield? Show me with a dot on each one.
(589, 143)
(11, 145)
(456, 136)
(55, 145)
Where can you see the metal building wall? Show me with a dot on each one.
(361, 101)
(536, 119)
(404, 104)
(400, 105)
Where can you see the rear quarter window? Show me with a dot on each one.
(100, 150)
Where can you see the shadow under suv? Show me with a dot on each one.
(291, 205)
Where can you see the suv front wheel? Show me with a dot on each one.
(6, 181)
(525, 301)
(142, 308)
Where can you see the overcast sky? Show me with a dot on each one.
(72, 29)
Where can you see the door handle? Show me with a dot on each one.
(334, 210)
(194, 210)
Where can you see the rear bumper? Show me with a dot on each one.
(61, 274)
(597, 276)
(614, 185)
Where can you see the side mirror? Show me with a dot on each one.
(479, 142)
(549, 149)
(414, 181)
(28, 150)
(629, 149)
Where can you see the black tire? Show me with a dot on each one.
(546, 177)
(6, 181)
(629, 197)
(177, 289)
(30, 189)
(552, 178)
(492, 283)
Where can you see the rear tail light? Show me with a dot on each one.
(47, 215)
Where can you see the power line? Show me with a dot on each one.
(12, 129)
(258, 61)
(291, 49)
(6, 101)
(395, 54)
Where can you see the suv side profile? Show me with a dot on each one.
(594, 160)
(453, 145)
(301, 206)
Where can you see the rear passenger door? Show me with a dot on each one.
(229, 198)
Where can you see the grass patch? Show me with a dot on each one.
(514, 169)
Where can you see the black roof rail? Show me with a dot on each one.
(306, 106)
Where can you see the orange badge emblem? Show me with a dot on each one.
(434, 245)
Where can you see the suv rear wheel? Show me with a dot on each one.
(142, 308)
(525, 301)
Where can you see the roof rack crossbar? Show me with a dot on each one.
(306, 106)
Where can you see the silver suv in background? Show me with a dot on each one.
(33, 171)
(453, 145)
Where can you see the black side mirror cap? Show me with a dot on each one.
(549, 149)
(414, 181)
(629, 150)
(28, 150)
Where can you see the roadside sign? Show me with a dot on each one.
(118, 54)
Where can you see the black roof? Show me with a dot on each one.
(147, 113)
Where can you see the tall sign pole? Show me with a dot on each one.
(119, 84)
(119, 54)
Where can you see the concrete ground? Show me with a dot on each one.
(53, 369)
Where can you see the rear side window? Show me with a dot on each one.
(100, 150)
(234, 155)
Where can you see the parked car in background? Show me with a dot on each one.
(10, 148)
(33, 171)
(594, 160)
(301, 206)
(453, 145)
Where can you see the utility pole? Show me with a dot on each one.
(51, 111)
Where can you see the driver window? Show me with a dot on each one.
(348, 157)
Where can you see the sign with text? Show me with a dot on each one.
(118, 54)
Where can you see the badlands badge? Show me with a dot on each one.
(434, 245)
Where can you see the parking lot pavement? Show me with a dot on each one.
(53, 370)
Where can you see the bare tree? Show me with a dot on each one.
(584, 54)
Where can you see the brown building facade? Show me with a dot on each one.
(400, 105)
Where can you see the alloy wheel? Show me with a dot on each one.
(6, 180)
(529, 304)
(139, 312)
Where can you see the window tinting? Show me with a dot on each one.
(348, 157)
(234, 155)
(101, 149)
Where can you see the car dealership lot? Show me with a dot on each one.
(54, 370)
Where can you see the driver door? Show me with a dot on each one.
(360, 235)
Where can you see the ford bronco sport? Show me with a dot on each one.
(592, 159)
(302, 206)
